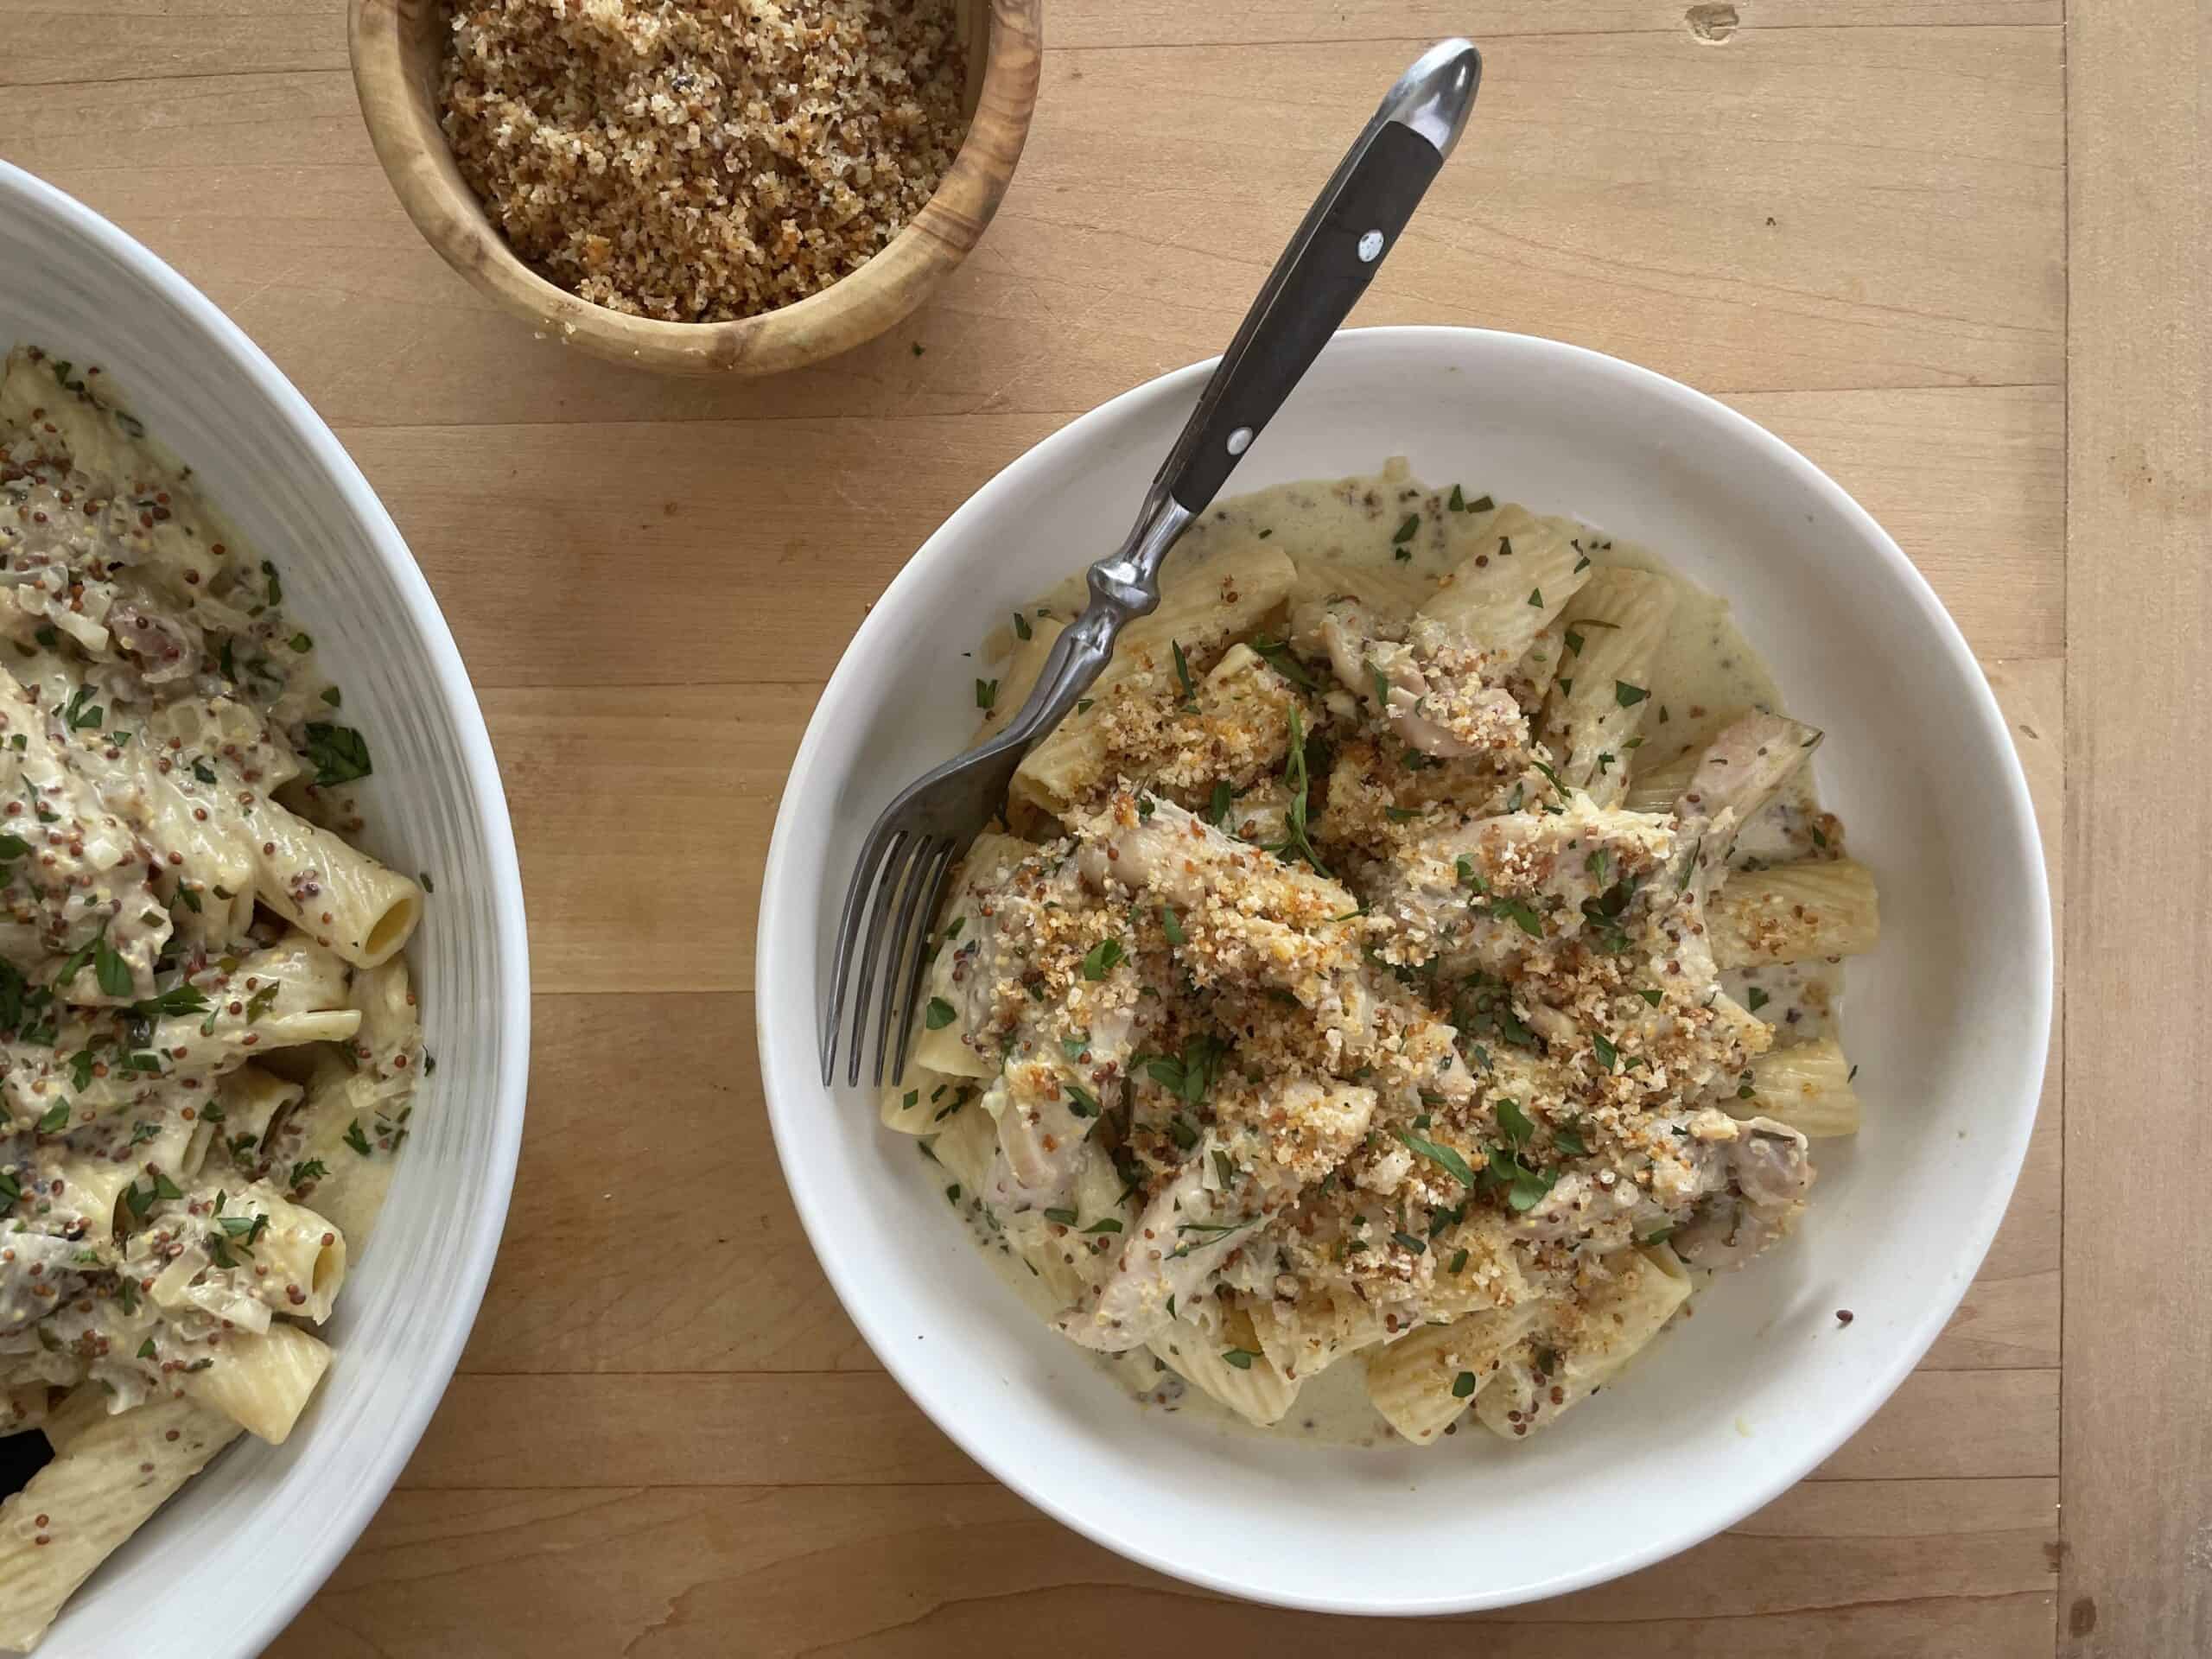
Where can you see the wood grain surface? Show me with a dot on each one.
(2137, 1575)
(1849, 218)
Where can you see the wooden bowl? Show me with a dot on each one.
(397, 47)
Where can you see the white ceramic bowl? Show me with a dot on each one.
(1948, 1020)
(224, 1567)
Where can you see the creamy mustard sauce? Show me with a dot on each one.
(1342, 532)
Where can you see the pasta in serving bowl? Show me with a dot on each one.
(1446, 983)
(259, 888)
(1265, 1057)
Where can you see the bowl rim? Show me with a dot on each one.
(789, 1065)
(294, 1583)
(859, 306)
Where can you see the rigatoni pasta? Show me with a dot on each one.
(1414, 966)
(208, 1047)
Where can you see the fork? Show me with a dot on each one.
(910, 853)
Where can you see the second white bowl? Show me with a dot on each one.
(1948, 1019)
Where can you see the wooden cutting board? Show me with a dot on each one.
(1952, 249)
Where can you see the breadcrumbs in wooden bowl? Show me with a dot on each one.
(700, 186)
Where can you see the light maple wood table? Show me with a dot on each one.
(1951, 249)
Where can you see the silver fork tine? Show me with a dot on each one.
(895, 860)
(914, 985)
(848, 927)
(902, 945)
(898, 1003)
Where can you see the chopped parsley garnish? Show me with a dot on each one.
(1100, 960)
(1062, 1218)
(313, 1170)
(1277, 656)
(1022, 628)
(1183, 676)
(1216, 812)
(1189, 1078)
(1105, 1225)
(986, 693)
(340, 754)
(1519, 913)
(1756, 999)
(1689, 865)
(1444, 1157)
(1608, 936)
(1536, 597)
(1170, 925)
(356, 1139)
(938, 1014)
(56, 1118)
(1463, 1385)
(1629, 696)
(1608, 1055)
(109, 968)
(1514, 1124)
(1242, 1358)
(81, 715)
(1295, 841)
(1524, 1188)
(1081, 1102)
(178, 999)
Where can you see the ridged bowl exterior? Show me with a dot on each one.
(223, 1567)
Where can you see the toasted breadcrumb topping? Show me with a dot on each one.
(702, 163)
(1367, 1030)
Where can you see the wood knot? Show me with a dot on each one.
(1713, 23)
